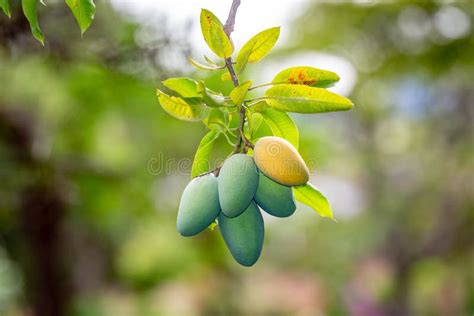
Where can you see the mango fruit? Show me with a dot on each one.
(274, 198)
(238, 180)
(199, 205)
(280, 161)
(243, 234)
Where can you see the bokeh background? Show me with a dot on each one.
(91, 168)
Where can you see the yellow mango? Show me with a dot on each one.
(280, 161)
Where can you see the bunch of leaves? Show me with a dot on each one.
(241, 119)
(83, 11)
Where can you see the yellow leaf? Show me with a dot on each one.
(309, 76)
(188, 110)
(226, 77)
(309, 195)
(214, 35)
(257, 48)
(305, 99)
(238, 94)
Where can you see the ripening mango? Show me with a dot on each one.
(274, 198)
(243, 235)
(280, 161)
(199, 205)
(238, 180)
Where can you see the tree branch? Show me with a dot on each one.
(229, 24)
(228, 29)
(230, 68)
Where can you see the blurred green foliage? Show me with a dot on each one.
(92, 169)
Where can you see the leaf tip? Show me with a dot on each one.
(204, 12)
(350, 104)
(83, 30)
(40, 39)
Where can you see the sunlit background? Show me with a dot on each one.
(92, 169)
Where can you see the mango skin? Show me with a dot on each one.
(280, 161)
(274, 198)
(244, 234)
(238, 180)
(199, 205)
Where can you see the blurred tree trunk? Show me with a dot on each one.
(40, 215)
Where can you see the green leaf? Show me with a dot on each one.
(309, 76)
(257, 120)
(211, 98)
(216, 116)
(187, 110)
(238, 94)
(31, 14)
(260, 127)
(203, 153)
(249, 116)
(309, 195)
(257, 48)
(83, 11)
(282, 125)
(234, 120)
(5, 5)
(186, 87)
(258, 106)
(305, 99)
(202, 66)
(214, 35)
(189, 88)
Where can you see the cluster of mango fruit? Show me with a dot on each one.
(244, 186)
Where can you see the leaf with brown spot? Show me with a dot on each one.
(214, 35)
(308, 76)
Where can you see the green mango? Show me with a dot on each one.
(274, 198)
(243, 235)
(199, 205)
(238, 180)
